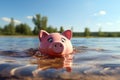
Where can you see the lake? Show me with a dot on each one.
(93, 55)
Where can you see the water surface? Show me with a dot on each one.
(92, 53)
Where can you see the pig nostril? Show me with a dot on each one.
(60, 45)
(55, 45)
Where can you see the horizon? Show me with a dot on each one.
(78, 14)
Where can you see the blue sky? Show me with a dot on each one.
(94, 14)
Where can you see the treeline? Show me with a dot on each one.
(24, 29)
(96, 34)
(12, 29)
(40, 23)
(87, 33)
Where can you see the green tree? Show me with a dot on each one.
(100, 33)
(37, 21)
(1, 30)
(87, 32)
(10, 28)
(112, 34)
(61, 29)
(40, 23)
(36, 30)
(51, 29)
(44, 23)
(23, 29)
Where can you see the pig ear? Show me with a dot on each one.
(68, 34)
(42, 34)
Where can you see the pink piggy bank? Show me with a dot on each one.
(55, 44)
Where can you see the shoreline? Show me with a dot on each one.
(37, 36)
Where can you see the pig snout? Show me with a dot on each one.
(57, 47)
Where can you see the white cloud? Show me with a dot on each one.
(29, 17)
(17, 21)
(100, 13)
(109, 23)
(6, 19)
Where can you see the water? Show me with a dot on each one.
(90, 51)
(13, 47)
(98, 51)
(18, 43)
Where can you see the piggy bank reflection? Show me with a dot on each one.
(56, 63)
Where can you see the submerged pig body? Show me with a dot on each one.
(55, 44)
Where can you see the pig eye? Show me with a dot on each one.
(50, 40)
(63, 39)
